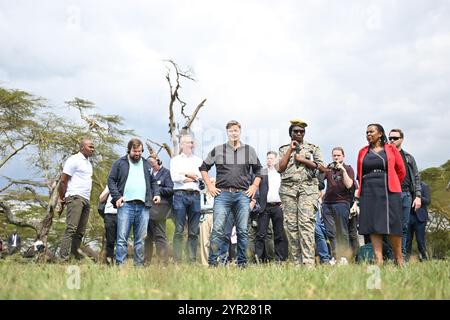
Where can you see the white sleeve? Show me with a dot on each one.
(197, 168)
(70, 166)
(175, 171)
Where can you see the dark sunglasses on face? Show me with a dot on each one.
(394, 138)
(299, 131)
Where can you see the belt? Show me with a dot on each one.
(375, 171)
(135, 202)
(231, 189)
(187, 190)
(273, 204)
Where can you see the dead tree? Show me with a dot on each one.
(174, 76)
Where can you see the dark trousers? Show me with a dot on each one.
(110, 234)
(269, 250)
(156, 233)
(335, 218)
(353, 235)
(77, 219)
(416, 227)
(275, 214)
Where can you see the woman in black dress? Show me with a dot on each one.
(380, 172)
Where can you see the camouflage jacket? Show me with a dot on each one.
(297, 177)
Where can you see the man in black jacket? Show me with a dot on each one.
(132, 189)
(411, 191)
(156, 231)
(417, 223)
(14, 243)
(270, 209)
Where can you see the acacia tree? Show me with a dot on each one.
(174, 78)
(18, 129)
(54, 140)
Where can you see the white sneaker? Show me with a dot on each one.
(343, 261)
(332, 261)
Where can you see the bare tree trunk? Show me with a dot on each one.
(47, 222)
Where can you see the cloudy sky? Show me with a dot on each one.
(338, 65)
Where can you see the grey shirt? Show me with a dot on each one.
(234, 168)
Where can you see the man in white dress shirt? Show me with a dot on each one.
(184, 170)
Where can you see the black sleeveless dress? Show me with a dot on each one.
(380, 209)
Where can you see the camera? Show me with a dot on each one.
(333, 166)
(201, 184)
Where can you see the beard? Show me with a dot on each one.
(135, 159)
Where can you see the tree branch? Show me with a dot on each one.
(7, 187)
(26, 182)
(12, 154)
(194, 115)
(33, 224)
(161, 146)
(42, 203)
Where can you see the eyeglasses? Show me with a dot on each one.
(299, 131)
(394, 138)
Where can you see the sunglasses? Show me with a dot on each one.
(299, 131)
(394, 138)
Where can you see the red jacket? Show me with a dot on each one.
(396, 168)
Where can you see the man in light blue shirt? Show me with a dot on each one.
(132, 190)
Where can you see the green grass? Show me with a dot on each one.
(428, 280)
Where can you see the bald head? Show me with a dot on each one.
(87, 147)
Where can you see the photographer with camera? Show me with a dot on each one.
(336, 204)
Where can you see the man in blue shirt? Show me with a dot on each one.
(132, 190)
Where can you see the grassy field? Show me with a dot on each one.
(429, 280)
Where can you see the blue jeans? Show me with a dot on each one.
(224, 247)
(406, 209)
(226, 204)
(321, 240)
(186, 204)
(136, 215)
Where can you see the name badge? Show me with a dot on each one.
(158, 182)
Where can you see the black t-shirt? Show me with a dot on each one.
(336, 190)
(406, 184)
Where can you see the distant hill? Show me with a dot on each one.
(438, 180)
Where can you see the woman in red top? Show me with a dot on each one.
(380, 172)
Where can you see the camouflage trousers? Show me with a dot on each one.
(300, 221)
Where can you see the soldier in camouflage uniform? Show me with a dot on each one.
(299, 166)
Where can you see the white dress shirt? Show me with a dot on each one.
(274, 185)
(181, 165)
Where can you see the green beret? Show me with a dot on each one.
(298, 122)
